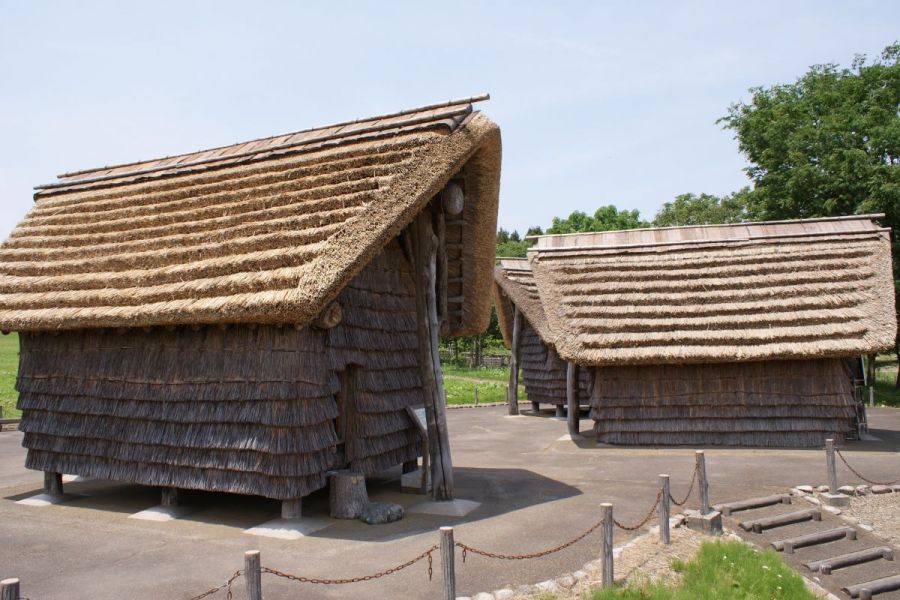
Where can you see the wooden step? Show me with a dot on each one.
(812, 539)
(827, 565)
(760, 525)
(729, 507)
(876, 586)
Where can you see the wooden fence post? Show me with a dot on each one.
(253, 575)
(702, 481)
(448, 563)
(832, 467)
(606, 510)
(664, 509)
(475, 394)
(9, 589)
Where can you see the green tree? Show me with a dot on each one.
(826, 145)
(605, 218)
(691, 209)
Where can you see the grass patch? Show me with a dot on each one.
(460, 383)
(498, 374)
(722, 570)
(886, 392)
(9, 366)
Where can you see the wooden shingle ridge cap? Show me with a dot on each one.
(451, 114)
(757, 231)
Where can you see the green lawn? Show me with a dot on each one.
(9, 365)
(460, 384)
(886, 392)
(722, 570)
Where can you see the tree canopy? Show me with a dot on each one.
(693, 209)
(605, 218)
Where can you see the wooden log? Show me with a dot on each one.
(9, 589)
(512, 391)
(292, 508)
(800, 516)
(424, 253)
(813, 539)
(572, 398)
(448, 564)
(831, 466)
(760, 502)
(877, 586)
(827, 565)
(454, 199)
(664, 509)
(606, 511)
(443, 321)
(702, 481)
(330, 317)
(169, 496)
(347, 496)
(253, 575)
(53, 483)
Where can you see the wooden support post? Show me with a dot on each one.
(664, 509)
(169, 496)
(292, 508)
(443, 318)
(702, 481)
(535, 407)
(347, 495)
(572, 398)
(560, 411)
(253, 575)
(872, 395)
(512, 392)
(832, 467)
(448, 563)
(53, 483)
(606, 553)
(424, 244)
(9, 589)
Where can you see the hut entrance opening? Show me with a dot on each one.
(346, 408)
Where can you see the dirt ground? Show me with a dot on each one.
(879, 511)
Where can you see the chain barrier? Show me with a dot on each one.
(855, 472)
(466, 548)
(227, 584)
(646, 520)
(409, 563)
(690, 489)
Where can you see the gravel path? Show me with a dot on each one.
(881, 511)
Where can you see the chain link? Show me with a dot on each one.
(466, 548)
(690, 489)
(301, 579)
(855, 472)
(227, 584)
(646, 520)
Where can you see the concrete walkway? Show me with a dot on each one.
(536, 489)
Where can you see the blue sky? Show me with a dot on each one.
(599, 103)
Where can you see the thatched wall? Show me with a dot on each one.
(245, 409)
(773, 403)
(544, 373)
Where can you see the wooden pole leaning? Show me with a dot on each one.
(253, 575)
(702, 481)
(448, 564)
(9, 589)
(606, 551)
(832, 467)
(512, 392)
(572, 416)
(664, 509)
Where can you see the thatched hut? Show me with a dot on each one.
(731, 334)
(527, 334)
(247, 318)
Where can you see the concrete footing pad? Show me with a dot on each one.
(710, 523)
(49, 499)
(450, 508)
(289, 529)
(836, 500)
(161, 514)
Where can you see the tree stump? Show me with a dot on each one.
(347, 494)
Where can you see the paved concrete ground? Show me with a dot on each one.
(536, 491)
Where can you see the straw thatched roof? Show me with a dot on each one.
(267, 231)
(514, 285)
(775, 290)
